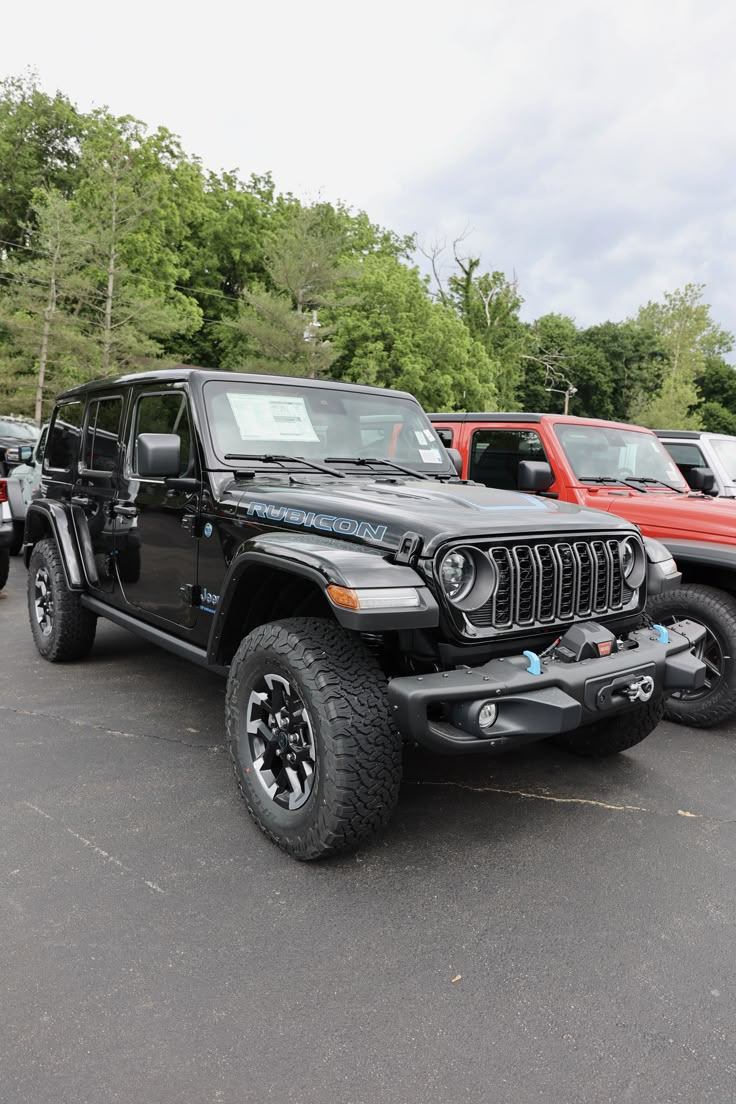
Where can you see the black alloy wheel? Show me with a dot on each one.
(43, 600)
(281, 741)
(711, 652)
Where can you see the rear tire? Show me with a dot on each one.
(4, 566)
(305, 688)
(716, 609)
(612, 735)
(62, 628)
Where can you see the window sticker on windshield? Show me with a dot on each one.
(430, 456)
(424, 436)
(272, 417)
(672, 472)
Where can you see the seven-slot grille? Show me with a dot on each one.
(549, 582)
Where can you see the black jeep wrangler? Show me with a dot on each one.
(312, 542)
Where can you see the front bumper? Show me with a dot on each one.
(433, 709)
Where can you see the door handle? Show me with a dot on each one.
(125, 511)
(80, 500)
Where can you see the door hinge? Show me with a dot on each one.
(191, 593)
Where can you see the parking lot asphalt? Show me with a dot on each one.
(530, 928)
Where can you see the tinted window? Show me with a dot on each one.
(103, 428)
(445, 435)
(66, 432)
(166, 414)
(496, 454)
(685, 456)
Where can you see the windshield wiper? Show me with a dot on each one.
(603, 479)
(376, 460)
(660, 482)
(272, 458)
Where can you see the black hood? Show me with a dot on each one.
(379, 512)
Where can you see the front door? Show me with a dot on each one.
(156, 539)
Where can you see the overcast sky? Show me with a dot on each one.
(589, 147)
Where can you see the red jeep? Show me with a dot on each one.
(625, 470)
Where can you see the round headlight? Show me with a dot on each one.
(628, 558)
(457, 574)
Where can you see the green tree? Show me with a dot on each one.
(39, 148)
(389, 332)
(489, 305)
(129, 211)
(42, 285)
(636, 362)
(688, 335)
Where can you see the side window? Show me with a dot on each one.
(64, 437)
(496, 454)
(103, 430)
(685, 456)
(445, 435)
(165, 413)
(41, 446)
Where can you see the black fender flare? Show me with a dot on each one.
(325, 561)
(68, 525)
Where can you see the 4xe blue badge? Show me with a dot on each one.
(208, 529)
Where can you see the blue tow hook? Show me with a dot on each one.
(535, 663)
(663, 636)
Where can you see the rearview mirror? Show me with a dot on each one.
(534, 476)
(701, 479)
(456, 458)
(158, 455)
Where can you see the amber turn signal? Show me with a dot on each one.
(343, 596)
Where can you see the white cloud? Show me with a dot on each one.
(591, 147)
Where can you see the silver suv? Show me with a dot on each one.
(699, 454)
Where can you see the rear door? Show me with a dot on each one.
(96, 486)
(156, 535)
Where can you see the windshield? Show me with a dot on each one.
(726, 453)
(21, 431)
(313, 422)
(597, 452)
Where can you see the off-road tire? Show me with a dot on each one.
(17, 542)
(612, 735)
(716, 609)
(73, 627)
(4, 566)
(357, 768)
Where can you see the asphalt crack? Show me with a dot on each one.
(570, 800)
(108, 731)
(93, 847)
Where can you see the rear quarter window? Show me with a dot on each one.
(65, 435)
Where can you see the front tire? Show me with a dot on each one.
(315, 753)
(612, 735)
(62, 628)
(716, 610)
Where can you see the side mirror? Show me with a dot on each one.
(457, 459)
(701, 479)
(19, 454)
(158, 455)
(535, 476)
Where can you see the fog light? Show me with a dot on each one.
(487, 715)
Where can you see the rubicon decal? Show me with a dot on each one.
(327, 523)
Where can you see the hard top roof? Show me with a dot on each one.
(519, 416)
(691, 434)
(190, 374)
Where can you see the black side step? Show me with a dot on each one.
(153, 635)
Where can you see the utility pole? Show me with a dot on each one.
(568, 393)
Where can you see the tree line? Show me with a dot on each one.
(119, 251)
